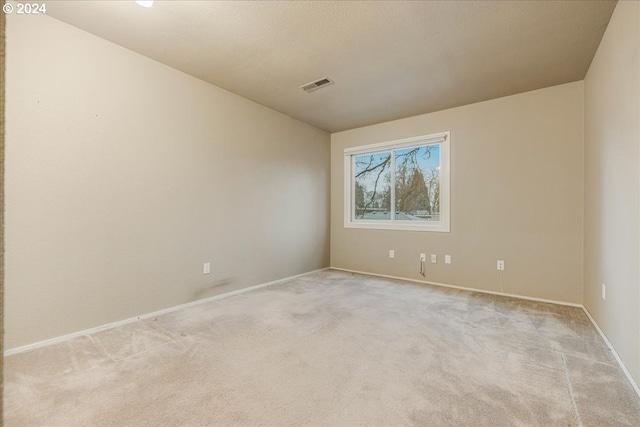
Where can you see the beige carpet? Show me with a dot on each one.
(331, 348)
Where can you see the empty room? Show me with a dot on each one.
(321, 213)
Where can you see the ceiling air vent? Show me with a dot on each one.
(310, 87)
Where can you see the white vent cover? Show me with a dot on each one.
(317, 84)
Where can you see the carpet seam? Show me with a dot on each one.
(144, 351)
(387, 359)
(564, 353)
(573, 400)
(625, 371)
(102, 348)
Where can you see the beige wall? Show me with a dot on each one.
(123, 176)
(612, 185)
(516, 192)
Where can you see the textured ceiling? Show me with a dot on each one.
(388, 59)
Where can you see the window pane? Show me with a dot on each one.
(373, 187)
(418, 183)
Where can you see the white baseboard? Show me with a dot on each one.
(613, 351)
(445, 285)
(274, 282)
(67, 337)
(604, 337)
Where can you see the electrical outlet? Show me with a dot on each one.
(392, 253)
(604, 292)
(447, 259)
(500, 265)
(434, 259)
(206, 268)
(423, 257)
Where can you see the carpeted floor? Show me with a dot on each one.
(331, 348)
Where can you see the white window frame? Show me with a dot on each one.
(443, 226)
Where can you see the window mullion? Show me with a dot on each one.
(419, 212)
(353, 188)
(393, 186)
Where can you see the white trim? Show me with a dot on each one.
(348, 190)
(67, 337)
(568, 304)
(445, 285)
(100, 328)
(438, 227)
(613, 350)
(398, 143)
(445, 184)
(442, 226)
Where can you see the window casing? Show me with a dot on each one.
(399, 185)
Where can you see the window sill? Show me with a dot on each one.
(375, 225)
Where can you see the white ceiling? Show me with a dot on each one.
(389, 59)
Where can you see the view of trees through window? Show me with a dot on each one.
(416, 183)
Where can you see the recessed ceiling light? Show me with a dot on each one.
(145, 3)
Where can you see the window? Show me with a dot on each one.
(398, 185)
